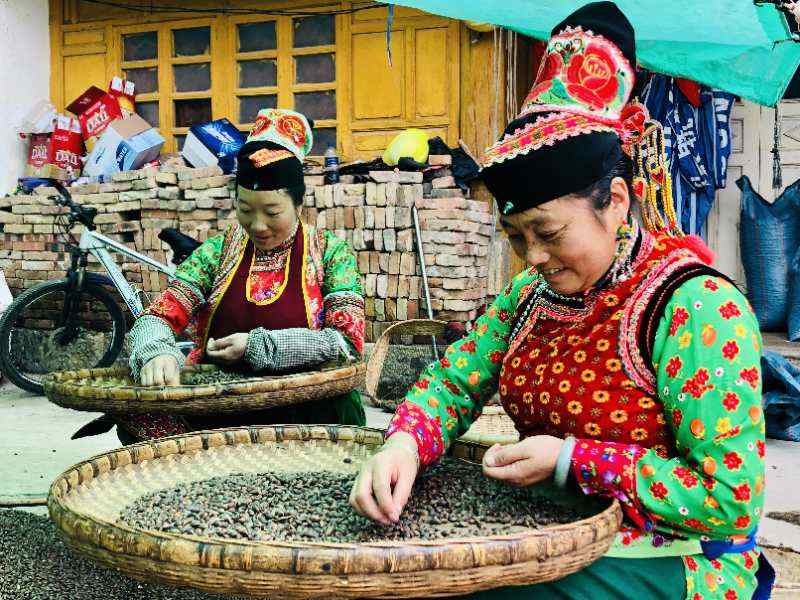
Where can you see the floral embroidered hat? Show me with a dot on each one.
(572, 127)
(272, 158)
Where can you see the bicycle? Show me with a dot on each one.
(76, 322)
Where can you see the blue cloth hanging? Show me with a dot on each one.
(697, 143)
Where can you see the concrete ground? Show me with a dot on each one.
(35, 447)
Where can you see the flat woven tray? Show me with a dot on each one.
(494, 426)
(86, 501)
(88, 389)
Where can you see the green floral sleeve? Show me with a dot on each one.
(450, 394)
(343, 295)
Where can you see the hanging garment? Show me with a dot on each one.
(697, 144)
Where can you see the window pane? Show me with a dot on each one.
(250, 105)
(317, 105)
(254, 37)
(191, 42)
(180, 140)
(314, 31)
(149, 112)
(192, 78)
(258, 73)
(323, 138)
(192, 112)
(146, 79)
(140, 46)
(315, 68)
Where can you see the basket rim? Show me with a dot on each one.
(62, 383)
(391, 556)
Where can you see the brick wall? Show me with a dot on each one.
(374, 217)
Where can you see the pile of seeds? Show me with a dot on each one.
(36, 565)
(209, 377)
(452, 499)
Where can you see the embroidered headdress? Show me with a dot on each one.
(577, 121)
(272, 158)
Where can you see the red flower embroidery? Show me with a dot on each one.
(716, 564)
(731, 595)
(469, 346)
(749, 561)
(674, 366)
(697, 384)
(445, 362)
(710, 284)
(729, 310)
(679, 319)
(709, 483)
(659, 490)
(733, 461)
(293, 128)
(454, 389)
(592, 77)
(503, 315)
(741, 493)
(750, 376)
(696, 524)
(451, 411)
(691, 563)
(742, 522)
(423, 384)
(730, 350)
(762, 448)
(496, 357)
(731, 401)
(677, 417)
(550, 69)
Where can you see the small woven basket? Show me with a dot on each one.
(85, 503)
(112, 390)
(494, 426)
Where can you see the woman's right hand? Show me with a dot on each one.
(384, 483)
(160, 371)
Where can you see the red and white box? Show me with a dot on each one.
(95, 110)
(56, 155)
(125, 93)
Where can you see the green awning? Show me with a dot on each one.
(732, 45)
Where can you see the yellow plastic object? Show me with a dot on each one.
(480, 27)
(412, 143)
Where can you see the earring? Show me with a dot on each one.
(624, 231)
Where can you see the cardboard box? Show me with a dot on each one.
(56, 155)
(214, 143)
(126, 144)
(95, 110)
(124, 91)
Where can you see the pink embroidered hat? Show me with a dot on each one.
(572, 128)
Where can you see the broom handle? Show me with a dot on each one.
(424, 270)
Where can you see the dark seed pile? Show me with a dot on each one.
(212, 377)
(452, 499)
(36, 565)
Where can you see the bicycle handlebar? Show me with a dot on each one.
(83, 214)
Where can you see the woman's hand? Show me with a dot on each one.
(229, 349)
(161, 370)
(527, 462)
(384, 483)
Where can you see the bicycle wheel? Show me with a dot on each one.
(36, 340)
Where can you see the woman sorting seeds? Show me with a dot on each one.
(270, 294)
(629, 366)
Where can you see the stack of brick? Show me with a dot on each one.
(374, 217)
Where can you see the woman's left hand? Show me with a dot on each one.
(527, 462)
(229, 349)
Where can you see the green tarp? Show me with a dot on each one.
(732, 45)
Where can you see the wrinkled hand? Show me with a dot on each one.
(229, 349)
(384, 483)
(527, 462)
(161, 370)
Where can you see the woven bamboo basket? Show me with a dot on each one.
(375, 382)
(85, 390)
(494, 426)
(86, 501)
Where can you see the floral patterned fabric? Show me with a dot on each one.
(680, 444)
(331, 284)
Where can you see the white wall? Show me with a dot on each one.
(24, 78)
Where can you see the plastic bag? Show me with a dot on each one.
(781, 386)
(769, 235)
(793, 300)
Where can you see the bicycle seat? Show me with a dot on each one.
(182, 245)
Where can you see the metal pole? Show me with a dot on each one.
(424, 270)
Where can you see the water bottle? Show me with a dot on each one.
(331, 166)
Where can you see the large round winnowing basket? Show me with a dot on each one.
(86, 501)
(87, 390)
